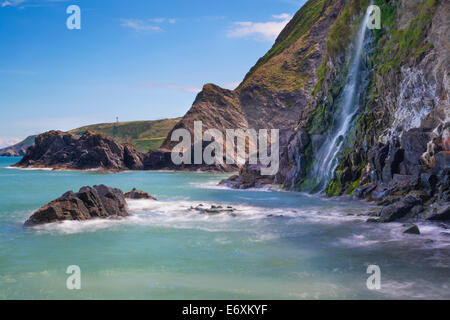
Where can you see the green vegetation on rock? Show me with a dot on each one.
(144, 135)
(397, 46)
(279, 75)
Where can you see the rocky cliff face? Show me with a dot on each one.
(275, 92)
(398, 145)
(60, 150)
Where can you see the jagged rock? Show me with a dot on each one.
(412, 230)
(429, 182)
(364, 191)
(88, 203)
(138, 194)
(414, 142)
(386, 201)
(214, 210)
(60, 150)
(249, 177)
(399, 209)
(274, 94)
(442, 160)
(439, 212)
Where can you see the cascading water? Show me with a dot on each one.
(326, 157)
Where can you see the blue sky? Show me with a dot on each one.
(135, 59)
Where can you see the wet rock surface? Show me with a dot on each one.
(412, 230)
(88, 203)
(214, 209)
(248, 177)
(138, 194)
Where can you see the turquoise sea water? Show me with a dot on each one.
(318, 249)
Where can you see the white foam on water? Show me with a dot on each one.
(432, 236)
(29, 169)
(417, 289)
(178, 214)
(254, 220)
(213, 185)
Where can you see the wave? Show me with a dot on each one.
(30, 169)
(432, 236)
(178, 214)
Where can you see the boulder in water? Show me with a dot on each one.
(88, 203)
(412, 230)
(214, 210)
(138, 194)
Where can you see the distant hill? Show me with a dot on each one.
(144, 135)
(19, 149)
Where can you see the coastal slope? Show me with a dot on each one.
(18, 149)
(396, 149)
(273, 94)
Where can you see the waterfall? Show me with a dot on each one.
(326, 157)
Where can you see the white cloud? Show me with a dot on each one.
(28, 3)
(267, 31)
(139, 25)
(8, 141)
(11, 3)
(283, 16)
(148, 25)
(185, 88)
(157, 20)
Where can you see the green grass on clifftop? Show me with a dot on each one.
(144, 135)
(299, 26)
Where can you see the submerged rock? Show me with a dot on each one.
(412, 230)
(213, 210)
(88, 203)
(249, 177)
(138, 194)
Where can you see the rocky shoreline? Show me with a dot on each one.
(95, 151)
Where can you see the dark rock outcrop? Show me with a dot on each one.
(248, 177)
(412, 230)
(399, 209)
(214, 210)
(138, 194)
(60, 150)
(88, 203)
(439, 212)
